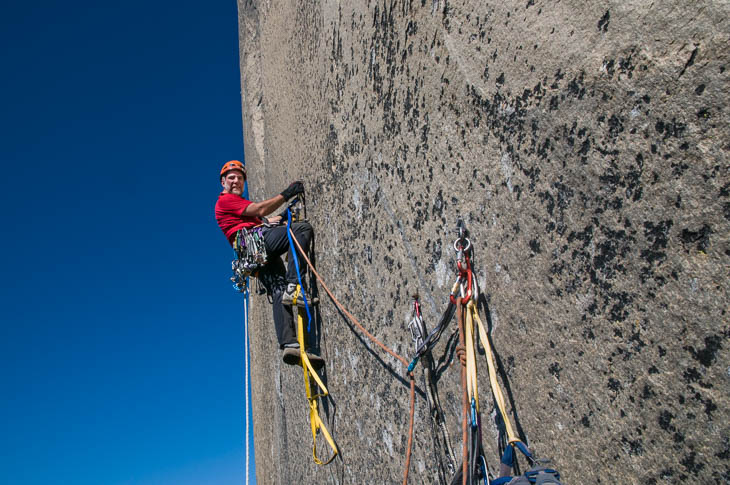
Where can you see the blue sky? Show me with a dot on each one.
(121, 338)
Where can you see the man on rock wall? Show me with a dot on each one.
(235, 213)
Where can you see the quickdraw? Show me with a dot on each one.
(439, 431)
(249, 252)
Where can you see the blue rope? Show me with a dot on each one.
(296, 265)
(473, 413)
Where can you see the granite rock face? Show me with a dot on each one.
(585, 144)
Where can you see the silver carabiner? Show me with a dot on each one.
(415, 327)
(461, 248)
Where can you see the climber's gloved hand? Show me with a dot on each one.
(294, 189)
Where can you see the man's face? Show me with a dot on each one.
(233, 182)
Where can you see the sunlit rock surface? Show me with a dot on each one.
(586, 146)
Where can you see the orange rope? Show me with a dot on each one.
(410, 429)
(376, 341)
(464, 398)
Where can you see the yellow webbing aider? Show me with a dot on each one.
(472, 314)
(314, 420)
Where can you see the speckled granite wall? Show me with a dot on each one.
(585, 144)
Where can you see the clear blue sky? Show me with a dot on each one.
(121, 339)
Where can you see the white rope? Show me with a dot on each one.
(246, 371)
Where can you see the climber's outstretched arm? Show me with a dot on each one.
(262, 209)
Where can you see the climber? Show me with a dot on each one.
(233, 213)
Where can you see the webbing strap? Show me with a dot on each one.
(471, 363)
(472, 313)
(512, 438)
(315, 421)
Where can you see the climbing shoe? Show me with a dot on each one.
(290, 356)
(287, 299)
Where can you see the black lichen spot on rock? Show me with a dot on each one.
(603, 23)
(585, 422)
(707, 355)
(666, 474)
(709, 405)
(665, 421)
(613, 384)
(584, 148)
(635, 447)
(555, 369)
(626, 65)
(659, 126)
(724, 454)
(691, 464)
(500, 79)
(700, 236)
(615, 126)
(657, 235)
(549, 200)
(647, 392)
(691, 375)
(703, 114)
(670, 129)
(436, 252)
(619, 310)
(535, 246)
(700, 89)
(725, 190)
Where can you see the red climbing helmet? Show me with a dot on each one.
(233, 165)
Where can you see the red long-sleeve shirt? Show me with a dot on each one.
(229, 214)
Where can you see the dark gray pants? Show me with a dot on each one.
(275, 278)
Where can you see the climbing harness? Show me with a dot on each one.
(439, 431)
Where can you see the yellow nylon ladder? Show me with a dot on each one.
(314, 419)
